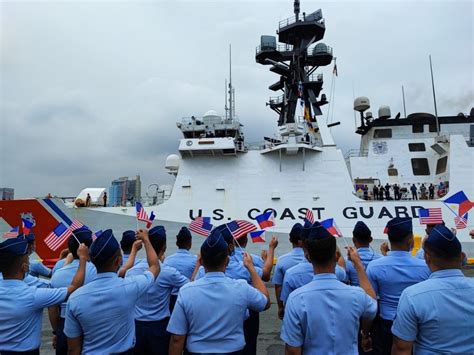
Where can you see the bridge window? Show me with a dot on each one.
(383, 133)
(420, 166)
(417, 128)
(441, 165)
(416, 147)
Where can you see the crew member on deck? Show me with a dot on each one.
(414, 190)
(361, 237)
(317, 317)
(437, 315)
(152, 310)
(375, 192)
(22, 305)
(391, 274)
(100, 315)
(287, 261)
(210, 312)
(63, 277)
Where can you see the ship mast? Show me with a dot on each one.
(295, 62)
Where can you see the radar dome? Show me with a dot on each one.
(172, 162)
(368, 114)
(384, 112)
(210, 113)
(361, 104)
(320, 48)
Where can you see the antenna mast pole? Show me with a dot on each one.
(434, 98)
(225, 99)
(231, 94)
(404, 107)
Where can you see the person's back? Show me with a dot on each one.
(436, 316)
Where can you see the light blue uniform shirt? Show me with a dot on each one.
(184, 262)
(154, 304)
(235, 270)
(103, 312)
(438, 314)
(63, 278)
(36, 281)
(302, 274)
(257, 261)
(366, 256)
(38, 269)
(420, 254)
(211, 312)
(59, 264)
(323, 316)
(392, 274)
(21, 311)
(285, 262)
(125, 259)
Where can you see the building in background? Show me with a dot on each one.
(6, 193)
(124, 192)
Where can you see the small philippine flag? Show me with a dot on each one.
(265, 220)
(258, 236)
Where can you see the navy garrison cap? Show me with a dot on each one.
(296, 231)
(317, 231)
(399, 227)
(183, 234)
(214, 243)
(444, 241)
(14, 246)
(226, 234)
(361, 230)
(158, 232)
(128, 237)
(83, 234)
(104, 247)
(27, 237)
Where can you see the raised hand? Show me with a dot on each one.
(142, 234)
(137, 245)
(248, 262)
(273, 243)
(83, 252)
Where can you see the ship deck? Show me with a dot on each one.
(269, 341)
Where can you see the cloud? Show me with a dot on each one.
(91, 91)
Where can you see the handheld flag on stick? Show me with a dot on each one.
(201, 226)
(240, 228)
(12, 233)
(258, 236)
(143, 216)
(430, 216)
(76, 224)
(309, 216)
(265, 220)
(330, 225)
(150, 220)
(460, 200)
(96, 234)
(460, 222)
(26, 226)
(58, 236)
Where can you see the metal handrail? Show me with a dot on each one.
(291, 20)
(328, 51)
(316, 77)
(275, 100)
(356, 153)
(271, 46)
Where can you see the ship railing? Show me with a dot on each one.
(275, 100)
(198, 123)
(327, 50)
(291, 20)
(356, 153)
(315, 77)
(271, 46)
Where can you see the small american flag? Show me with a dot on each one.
(96, 234)
(12, 233)
(431, 216)
(141, 213)
(460, 222)
(240, 228)
(201, 226)
(309, 216)
(57, 237)
(76, 224)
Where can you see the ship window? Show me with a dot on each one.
(420, 166)
(383, 133)
(441, 165)
(392, 172)
(432, 127)
(416, 147)
(417, 128)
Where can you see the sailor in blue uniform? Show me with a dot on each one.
(210, 312)
(287, 261)
(63, 277)
(126, 243)
(361, 237)
(36, 267)
(182, 260)
(100, 315)
(436, 316)
(317, 317)
(22, 305)
(392, 274)
(152, 308)
(239, 252)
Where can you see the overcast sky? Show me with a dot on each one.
(92, 90)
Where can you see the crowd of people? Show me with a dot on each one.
(102, 299)
(382, 192)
